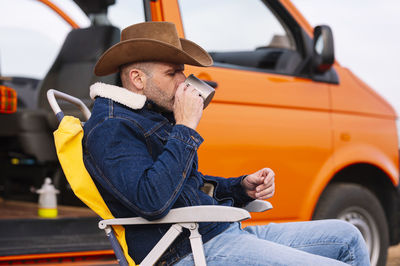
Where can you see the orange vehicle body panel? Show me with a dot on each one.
(274, 119)
(235, 131)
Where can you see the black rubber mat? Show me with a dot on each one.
(36, 236)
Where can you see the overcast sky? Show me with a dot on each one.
(366, 34)
(367, 39)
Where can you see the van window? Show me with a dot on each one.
(31, 34)
(240, 33)
(29, 42)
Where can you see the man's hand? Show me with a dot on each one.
(260, 185)
(188, 106)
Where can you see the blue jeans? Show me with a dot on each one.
(324, 242)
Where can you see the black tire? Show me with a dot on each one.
(357, 205)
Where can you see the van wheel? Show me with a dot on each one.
(358, 206)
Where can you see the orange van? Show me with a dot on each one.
(282, 101)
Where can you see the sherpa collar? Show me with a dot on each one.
(118, 94)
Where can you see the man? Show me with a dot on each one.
(140, 147)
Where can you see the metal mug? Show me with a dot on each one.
(205, 91)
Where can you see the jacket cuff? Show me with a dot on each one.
(186, 135)
(240, 195)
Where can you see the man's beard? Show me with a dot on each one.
(158, 96)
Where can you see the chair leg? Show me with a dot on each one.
(119, 254)
(196, 243)
(162, 245)
(197, 246)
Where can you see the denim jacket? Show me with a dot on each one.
(144, 165)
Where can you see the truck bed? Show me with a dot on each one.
(22, 232)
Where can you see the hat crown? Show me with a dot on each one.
(158, 31)
(151, 41)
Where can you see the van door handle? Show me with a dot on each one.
(211, 83)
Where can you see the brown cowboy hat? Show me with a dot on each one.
(151, 41)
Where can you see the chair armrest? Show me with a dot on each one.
(258, 206)
(194, 214)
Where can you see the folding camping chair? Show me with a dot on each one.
(68, 141)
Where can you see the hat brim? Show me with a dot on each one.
(140, 50)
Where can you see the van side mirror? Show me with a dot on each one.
(323, 50)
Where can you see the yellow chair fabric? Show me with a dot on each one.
(68, 141)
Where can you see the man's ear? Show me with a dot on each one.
(137, 78)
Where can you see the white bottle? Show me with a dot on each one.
(47, 200)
